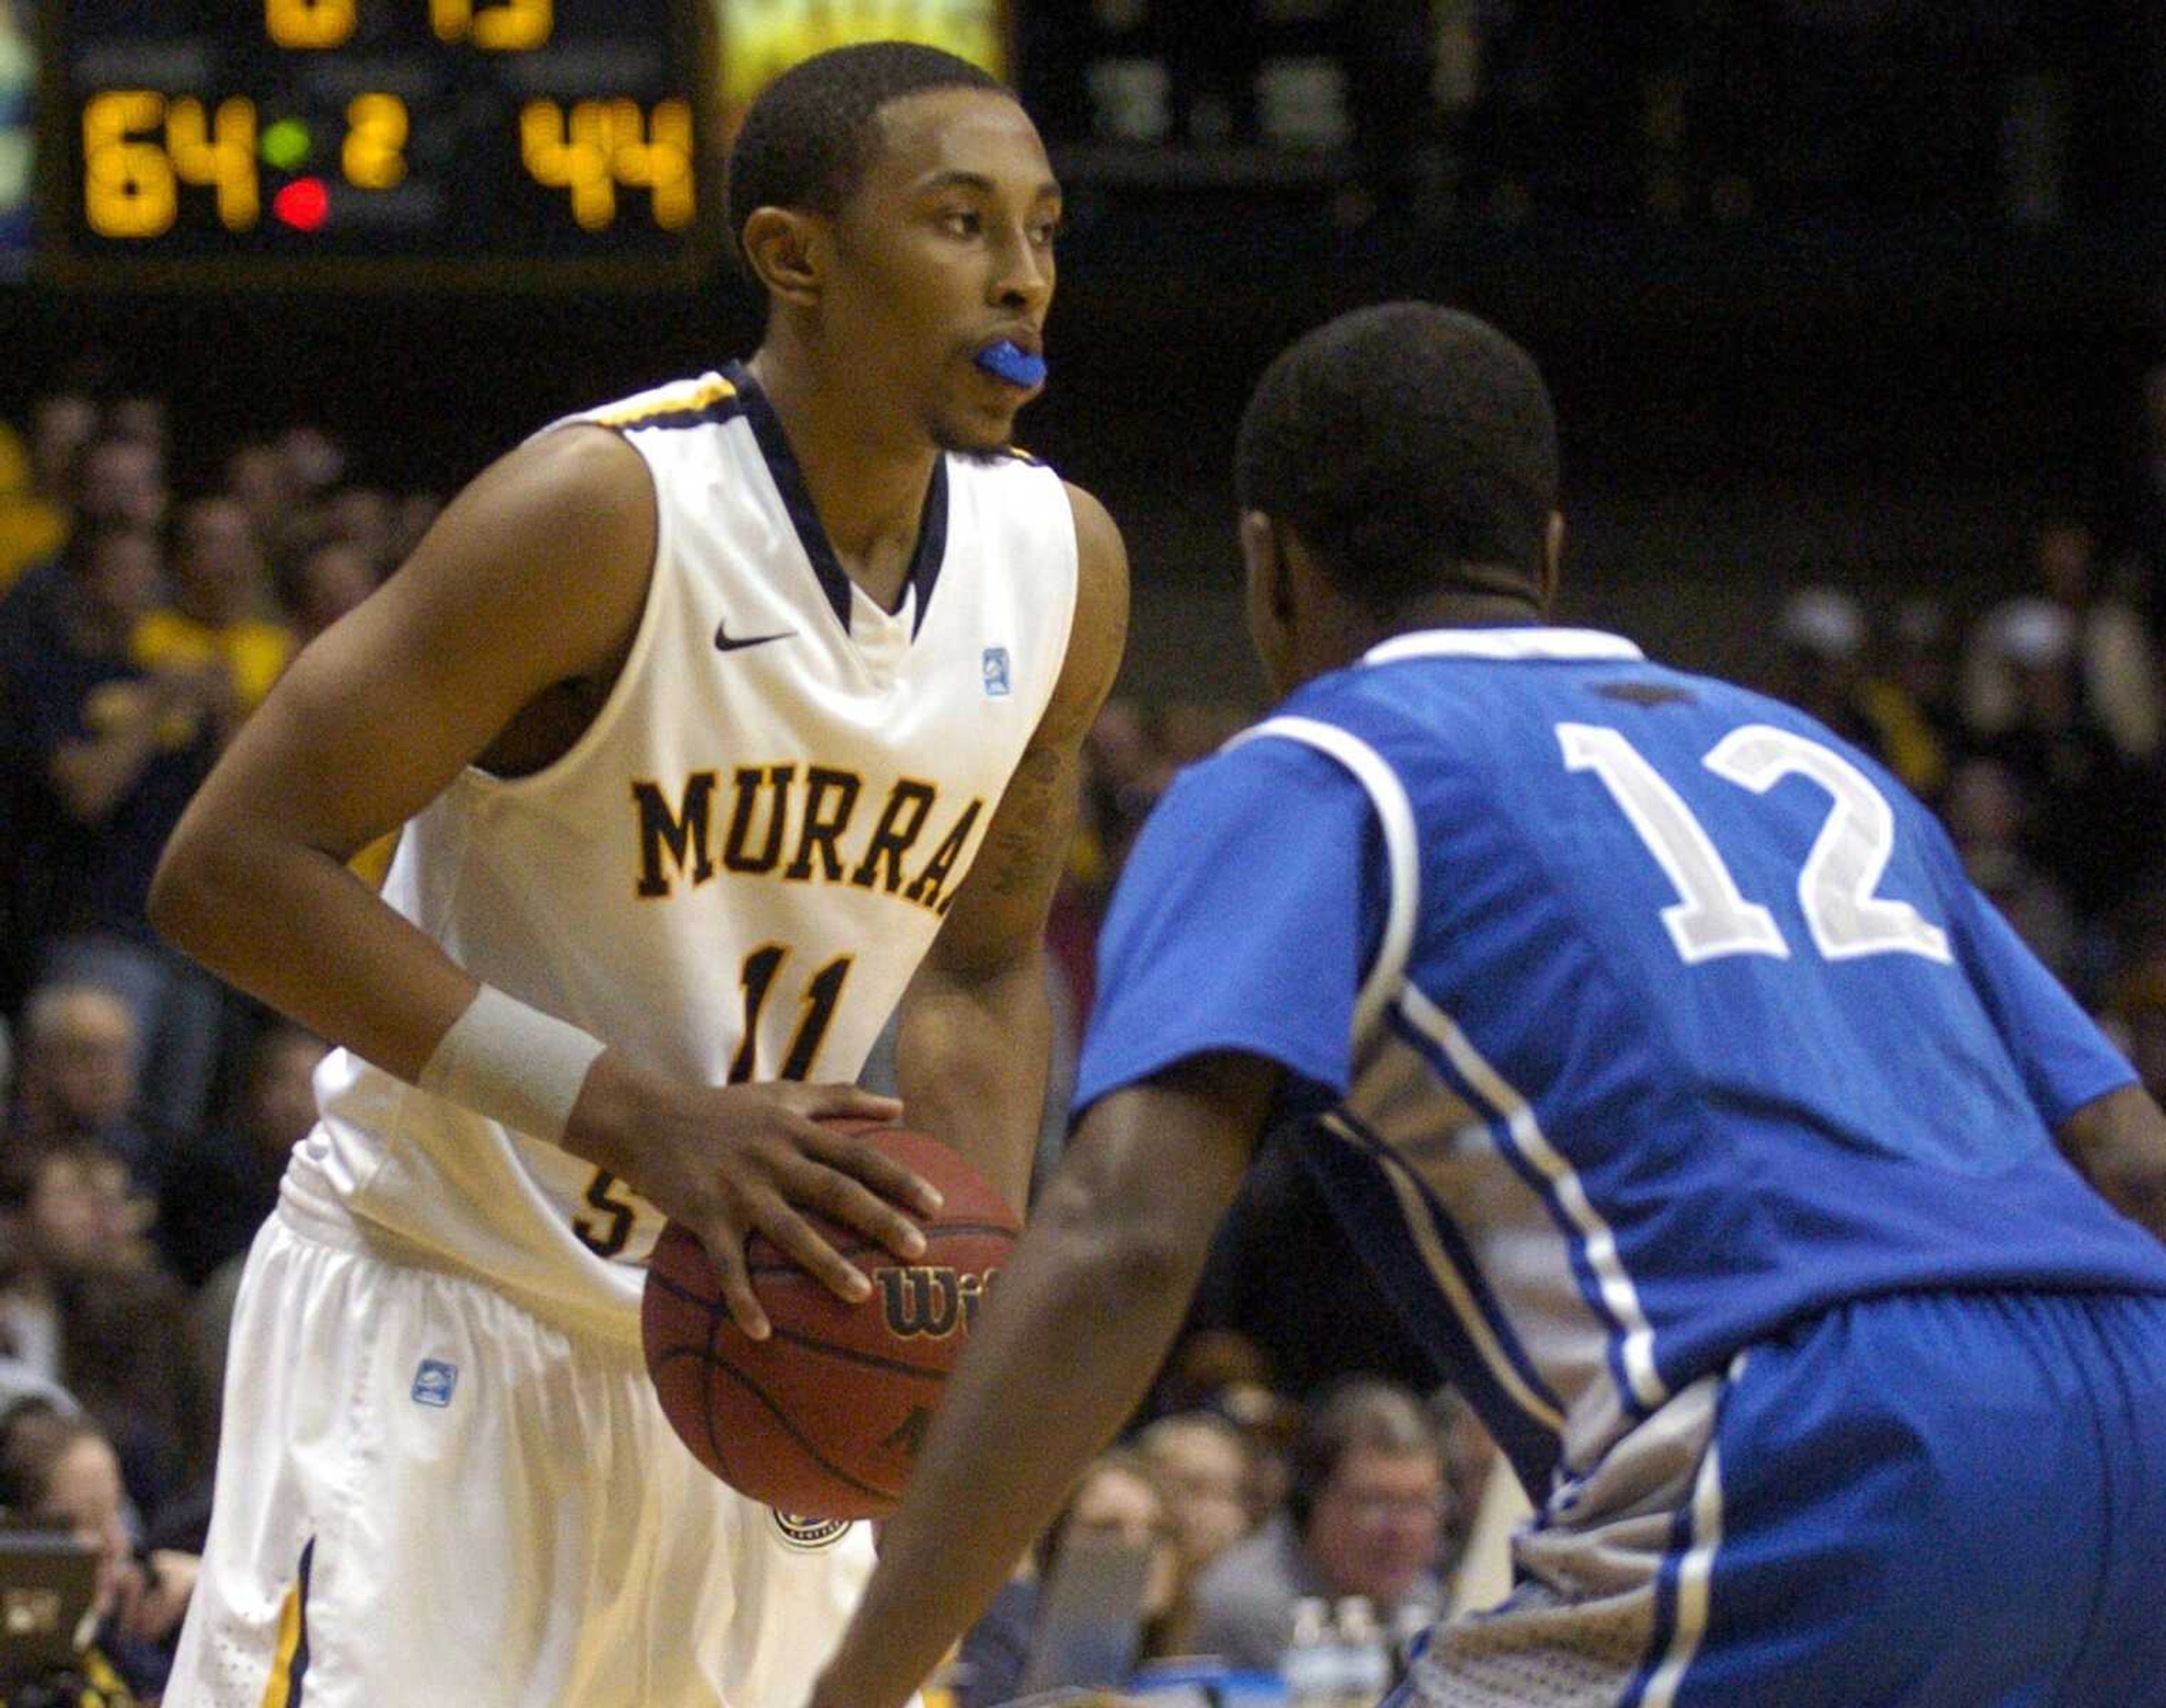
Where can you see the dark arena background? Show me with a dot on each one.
(1845, 292)
(1854, 312)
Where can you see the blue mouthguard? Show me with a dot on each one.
(1009, 360)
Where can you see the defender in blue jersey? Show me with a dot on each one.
(1714, 1134)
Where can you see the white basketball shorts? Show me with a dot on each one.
(425, 1494)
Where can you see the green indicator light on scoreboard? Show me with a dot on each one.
(286, 144)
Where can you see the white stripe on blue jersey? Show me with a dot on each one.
(1597, 1245)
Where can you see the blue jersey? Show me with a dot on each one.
(1656, 1016)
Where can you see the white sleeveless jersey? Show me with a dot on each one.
(734, 872)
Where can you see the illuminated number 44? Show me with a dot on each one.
(1711, 918)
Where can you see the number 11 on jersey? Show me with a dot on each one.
(609, 1232)
(822, 991)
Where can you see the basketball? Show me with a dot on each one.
(823, 1419)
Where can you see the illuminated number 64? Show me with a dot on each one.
(128, 183)
(1711, 917)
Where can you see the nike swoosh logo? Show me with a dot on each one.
(725, 643)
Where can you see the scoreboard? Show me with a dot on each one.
(505, 142)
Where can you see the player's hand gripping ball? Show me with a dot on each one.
(823, 1419)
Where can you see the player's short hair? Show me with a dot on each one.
(1406, 444)
(809, 137)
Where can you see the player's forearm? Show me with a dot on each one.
(2119, 1142)
(1063, 1350)
(294, 928)
(971, 1063)
(1013, 1429)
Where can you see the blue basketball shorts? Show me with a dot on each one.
(1933, 1500)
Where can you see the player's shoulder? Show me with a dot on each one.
(1101, 553)
(560, 473)
(1287, 757)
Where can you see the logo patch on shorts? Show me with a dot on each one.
(997, 685)
(434, 1381)
(809, 1535)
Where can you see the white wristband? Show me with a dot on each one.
(512, 1063)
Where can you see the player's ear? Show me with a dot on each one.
(782, 246)
(1552, 559)
(1264, 556)
(1268, 598)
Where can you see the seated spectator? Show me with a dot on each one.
(1919, 662)
(2088, 821)
(126, 1360)
(256, 477)
(321, 582)
(113, 753)
(119, 488)
(1363, 1515)
(58, 1471)
(1118, 1498)
(1824, 647)
(35, 511)
(79, 1082)
(32, 528)
(1986, 817)
(364, 517)
(1204, 1460)
(2102, 646)
(1225, 1372)
(220, 591)
(221, 1193)
(68, 1212)
(214, 1204)
(84, 1304)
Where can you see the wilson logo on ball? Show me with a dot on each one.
(933, 1303)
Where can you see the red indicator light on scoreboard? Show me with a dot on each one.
(304, 204)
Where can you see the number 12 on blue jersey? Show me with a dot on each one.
(1712, 917)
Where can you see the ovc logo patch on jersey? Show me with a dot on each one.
(997, 685)
(809, 1535)
(434, 1381)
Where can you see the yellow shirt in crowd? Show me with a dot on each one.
(254, 651)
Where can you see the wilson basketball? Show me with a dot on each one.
(823, 1419)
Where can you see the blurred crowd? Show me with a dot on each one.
(145, 1112)
(2035, 734)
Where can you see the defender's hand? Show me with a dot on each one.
(729, 1161)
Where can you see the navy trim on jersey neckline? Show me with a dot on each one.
(835, 582)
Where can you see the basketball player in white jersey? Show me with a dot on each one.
(722, 721)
